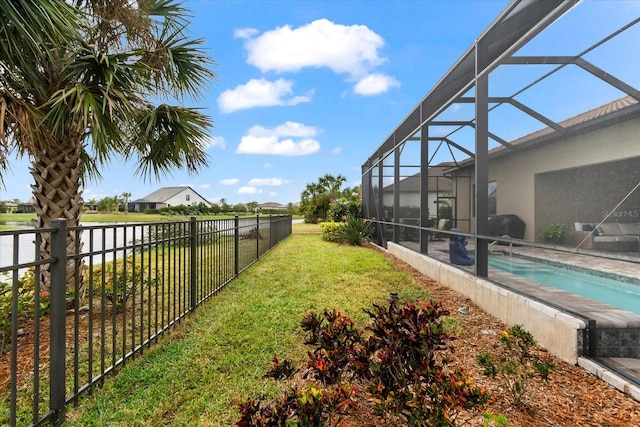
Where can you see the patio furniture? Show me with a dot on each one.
(609, 236)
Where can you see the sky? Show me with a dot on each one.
(308, 88)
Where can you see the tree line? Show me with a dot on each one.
(325, 200)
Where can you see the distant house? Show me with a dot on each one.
(10, 207)
(440, 188)
(272, 205)
(166, 197)
(27, 207)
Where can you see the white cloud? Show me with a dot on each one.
(215, 141)
(271, 145)
(280, 140)
(249, 190)
(229, 181)
(336, 150)
(204, 186)
(351, 50)
(268, 166)
(286, 129)
(259, 93)
(244, 33)
(259, 182)
(375, 84)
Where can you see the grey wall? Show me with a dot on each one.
(588, 193)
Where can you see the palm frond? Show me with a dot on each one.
(170, 137)
(55, 21)
(179, 65)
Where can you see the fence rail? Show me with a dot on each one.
(122, 287)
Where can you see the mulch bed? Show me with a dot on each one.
(572, 397)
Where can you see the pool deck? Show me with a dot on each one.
(603, 314)
(614, 325)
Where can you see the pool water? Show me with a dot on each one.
(606, 290)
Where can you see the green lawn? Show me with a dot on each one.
(108, 218)
(219, 355)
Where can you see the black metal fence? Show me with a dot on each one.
(123, 287)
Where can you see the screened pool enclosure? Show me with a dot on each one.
(531, 139)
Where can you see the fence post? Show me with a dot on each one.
(193, 262)
(58, 292)
(236, 246)
(257, 236)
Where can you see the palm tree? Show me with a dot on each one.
(92, 202)
(77, 95)
(332, 184)
(312, 202)
(126, 196)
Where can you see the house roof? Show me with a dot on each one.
(438, 182)
(605, 115)
(165, 193)
(271, 205)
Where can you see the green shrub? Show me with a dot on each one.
(334, 338)
(409, 376)
(27, 300)
(345, 208)
(355, 231)
(399, 363)
(329, 230)
(120, 280)
(280, 370)
(516, 366)
(306, 407)
(554, 230)
(5, 313)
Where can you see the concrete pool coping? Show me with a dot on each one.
(562, 327)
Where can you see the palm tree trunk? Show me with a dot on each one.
(56, 171)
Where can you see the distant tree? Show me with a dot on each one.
(354, 193)
(332, 184)
(109, 204)
(104, 204)
(92, 203)
(215, 208)
(239, 208)
(224, 206)
(203, 208)
(3, 207)
(317, 197)
(126, 196)
(252, 207)
(349, 205)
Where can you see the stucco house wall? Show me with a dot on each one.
(515, 172)
(168, 196)
(187, 197)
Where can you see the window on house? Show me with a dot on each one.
(188, 197)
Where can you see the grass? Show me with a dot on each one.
(218, 357)
(303, 228)
(109, 218)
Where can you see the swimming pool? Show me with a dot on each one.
(603, 289)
